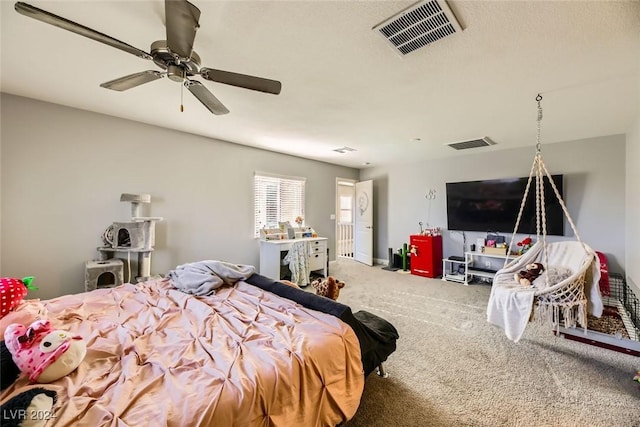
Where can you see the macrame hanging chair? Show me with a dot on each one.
(571, 270)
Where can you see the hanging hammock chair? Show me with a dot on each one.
(568, 287)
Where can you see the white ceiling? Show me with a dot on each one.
(342, 85)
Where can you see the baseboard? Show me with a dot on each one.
(376, 261)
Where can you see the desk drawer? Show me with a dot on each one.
(317, 246)
(317, 261)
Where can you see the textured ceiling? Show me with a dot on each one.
(342, 85)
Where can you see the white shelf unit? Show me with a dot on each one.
(469, 272)
(450, 271)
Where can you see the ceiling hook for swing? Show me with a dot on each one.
(538, 144)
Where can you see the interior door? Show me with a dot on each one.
(364, 222)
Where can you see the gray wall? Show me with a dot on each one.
(63, 171)
(633, 207)
(594, 187)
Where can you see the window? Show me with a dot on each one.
(346, 193)
(346, 209)
(277, 199)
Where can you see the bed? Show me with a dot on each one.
(256, 353)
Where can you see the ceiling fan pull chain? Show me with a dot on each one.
(182, 98)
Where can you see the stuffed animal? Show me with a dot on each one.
(10, 371)
(329, 287)
(32, 407)
(12, 291)
(43, 354)
(529, 274)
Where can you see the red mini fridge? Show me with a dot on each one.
(426, 255)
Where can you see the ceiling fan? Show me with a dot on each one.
(175, 55)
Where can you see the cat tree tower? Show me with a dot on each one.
(131, 237)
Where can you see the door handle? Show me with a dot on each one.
(369, 227)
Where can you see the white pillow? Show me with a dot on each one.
(556, 275)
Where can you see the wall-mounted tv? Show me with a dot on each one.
(493, 205)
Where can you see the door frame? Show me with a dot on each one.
(361, 236)
(352, 183)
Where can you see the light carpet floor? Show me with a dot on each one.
(452, 368)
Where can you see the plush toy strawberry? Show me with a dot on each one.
(12, 291)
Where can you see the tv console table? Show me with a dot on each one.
(470, 270)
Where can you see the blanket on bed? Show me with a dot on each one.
(377, 336)
(242, 357)
(204, 277)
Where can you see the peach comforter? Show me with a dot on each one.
(242, 357)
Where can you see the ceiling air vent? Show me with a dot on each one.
(419, 25)
(474, 143)
(344, 150)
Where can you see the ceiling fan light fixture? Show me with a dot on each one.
(176, 73)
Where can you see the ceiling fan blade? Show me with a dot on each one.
(50, 18)
(182, 22)
(208, 100)
(132, 80)
(242, 80)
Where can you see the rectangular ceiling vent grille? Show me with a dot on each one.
(344, 150)
(474, 143)
(419, 25)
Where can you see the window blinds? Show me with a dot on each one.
(277, 199)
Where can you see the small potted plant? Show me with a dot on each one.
(299, 220)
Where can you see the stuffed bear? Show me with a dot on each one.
(329, 287)
(529, 274)
(42, 353)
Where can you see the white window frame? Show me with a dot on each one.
(287, 200)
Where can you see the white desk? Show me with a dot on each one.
(273, 251)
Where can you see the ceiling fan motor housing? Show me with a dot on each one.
(167, 60)
(176, 73)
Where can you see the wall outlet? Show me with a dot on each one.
(332, 216)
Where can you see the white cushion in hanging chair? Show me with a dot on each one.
(511, 303)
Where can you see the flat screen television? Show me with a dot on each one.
(493, 205)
